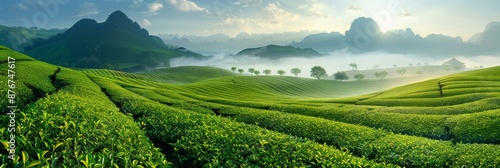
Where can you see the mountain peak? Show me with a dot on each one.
(117, 16)
(119, 21)
(363, 35)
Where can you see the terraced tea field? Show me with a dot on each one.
(104, 118)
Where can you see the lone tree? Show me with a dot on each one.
(420, 72)
(233, 69)
(401, 71)
(241, 71)
(267, 72)
(256, 73)
(318, 72)
(359, 76)
(354, 65)
(296, 71)
(381, 74)
(251, 70)
(281, 72)
(341, 76)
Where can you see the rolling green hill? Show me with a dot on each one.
(118, 43)
(275, 51)
(106, 118)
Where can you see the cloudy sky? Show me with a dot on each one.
(204, 17)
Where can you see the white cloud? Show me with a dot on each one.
(405, 12)
(354, 8)
(186, 6)
(86, 9)
(154, 7)
(313, 8)
(276, 14)
(137, 3)
(246, 3)
(146, 22)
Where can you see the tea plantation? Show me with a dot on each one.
(206, 117)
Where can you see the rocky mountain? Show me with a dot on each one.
(117, 43)
(364, 35)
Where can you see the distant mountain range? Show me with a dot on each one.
(364, 35)
(275, 52)
(221, 43)
(117, 43)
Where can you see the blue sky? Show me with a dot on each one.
(205, 17)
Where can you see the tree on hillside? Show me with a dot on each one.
(381, 74)
(395, 65)
(241, 71)
(376, 66)
(401, 71)
(420, 72)
(233, 69)
(341, 76)
(281, 72)
(296, 71)
(251, 70)
(354, 65)
(318, 72)
(410, 64)
(359, 76)
(256, 73)
(267, 72)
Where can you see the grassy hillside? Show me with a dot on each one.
(104, 118)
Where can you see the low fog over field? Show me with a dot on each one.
(332, 62)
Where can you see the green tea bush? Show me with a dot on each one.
(206, 140)
(410, 151)
(477, 155)
(65, 129)
(375, 144)
(483, 127)
(429, 102)
(472, 107)
(430, 126)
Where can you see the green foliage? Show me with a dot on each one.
(295, 71)
(234, 69)
(359, 76)
(353, 65)
(199, 139)
(267, 72)
(241, 71)
(341, 76)
(251, 70)
(381, 74)
(281, 72)
(418, 125)
(256, 72)
(477, 155)
(476, 127)
(318, 72)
